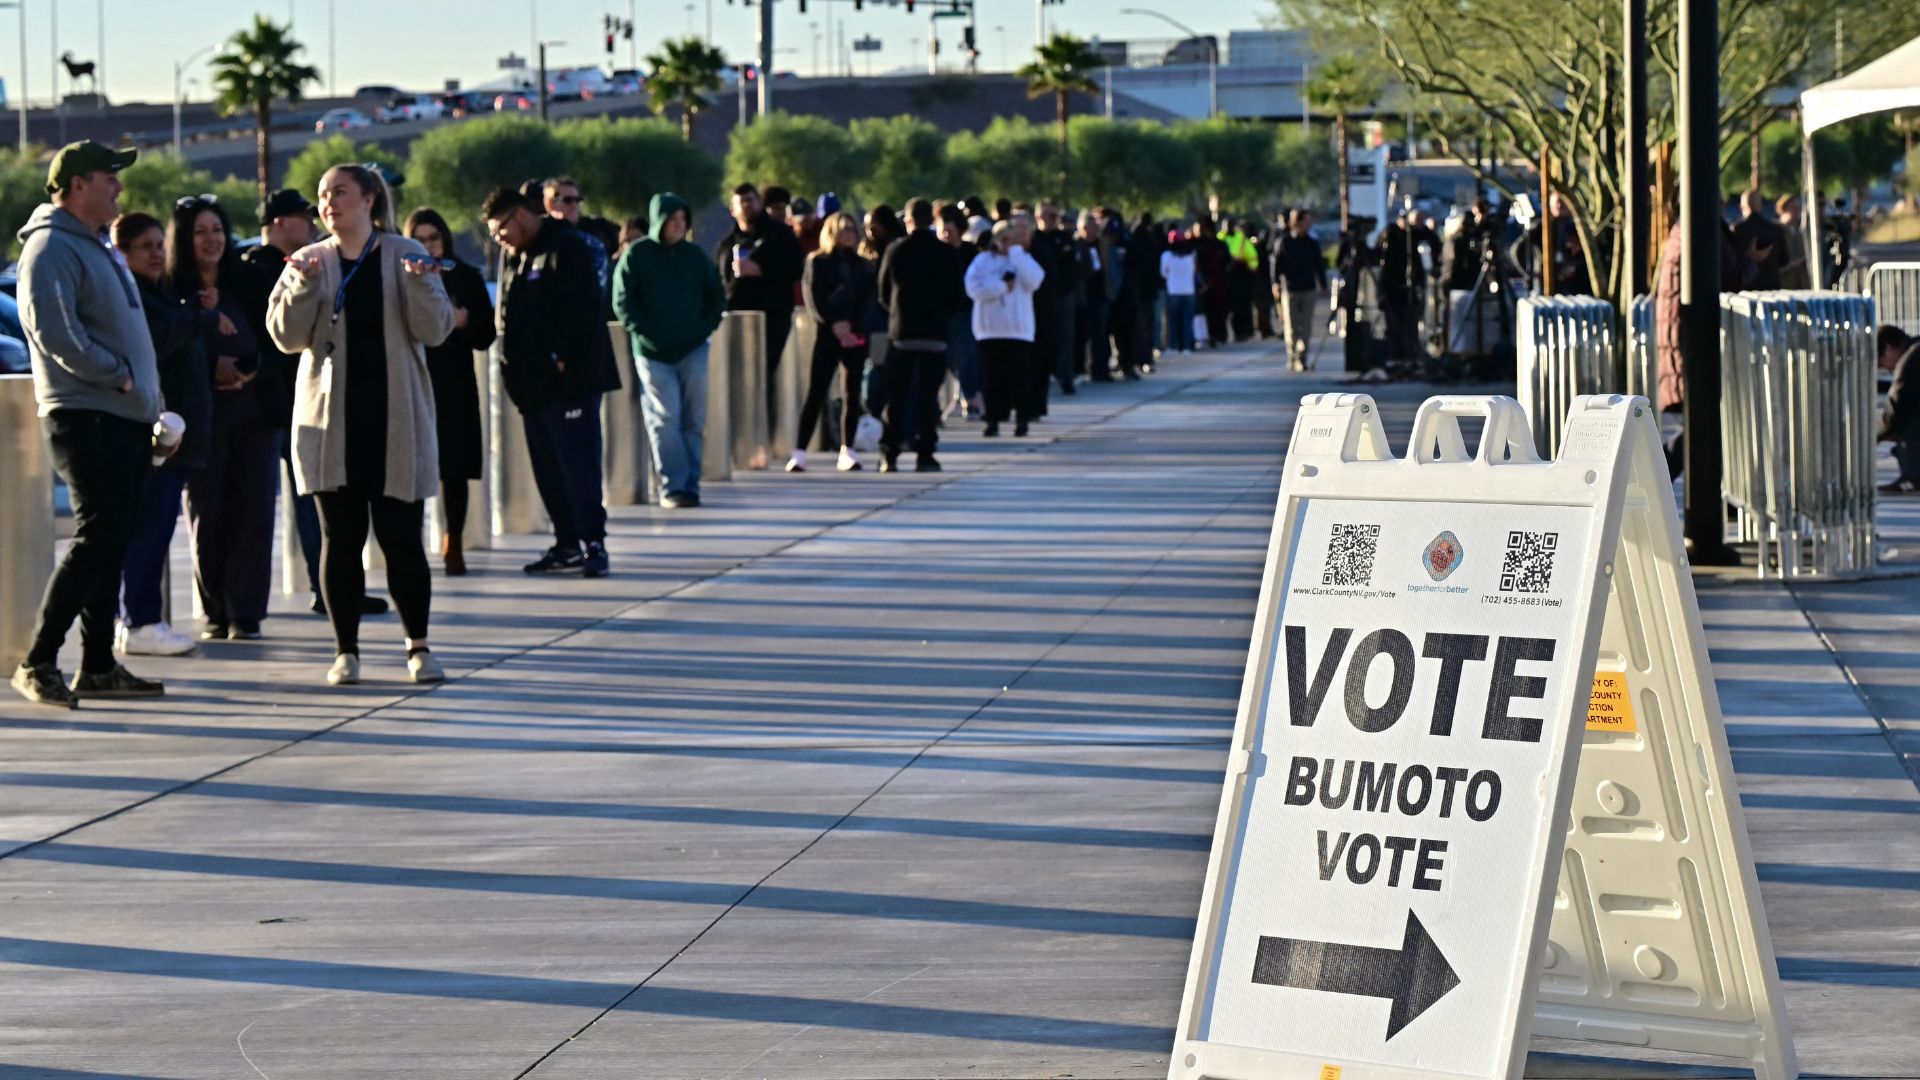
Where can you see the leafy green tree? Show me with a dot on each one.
(802, 153)
(257, 68)
(1238, 162)
(1341, 86)
(1009, 160)
(685, 73)
(22, 190)
(452, 168)
(621, 164)
(1307, 172)
(154, 182)
(312, 162)
(1061, 66)
(1130, 164)
(906, 156)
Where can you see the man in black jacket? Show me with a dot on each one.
(760, 263)
(557, 359)
(1900, 420)
(920, 289)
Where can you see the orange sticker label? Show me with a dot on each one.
(1610, 708)
(1329, 1072)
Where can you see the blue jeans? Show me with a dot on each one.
(963, 353)
(674, 403)
(148, 547)
(1180, 321)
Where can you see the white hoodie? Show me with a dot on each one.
(1003, 309)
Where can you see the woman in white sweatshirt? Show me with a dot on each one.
(1177, 269)
(1001, 283)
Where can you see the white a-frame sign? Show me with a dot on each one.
(1479, 786)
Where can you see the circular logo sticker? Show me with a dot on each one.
(1443, 556)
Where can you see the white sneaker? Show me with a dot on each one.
(866, 434)
(849, 461)
(798, 462)
(153, 639)
(345, 670)
(423, 668)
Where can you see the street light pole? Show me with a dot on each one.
(1699, 138)
(1213, 54)
(20, 87)
(179, 68)
(766, 54)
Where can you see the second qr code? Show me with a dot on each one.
(1350, 555)
(1528, 564)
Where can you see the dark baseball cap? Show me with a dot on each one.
(285, 203)
(83, 157)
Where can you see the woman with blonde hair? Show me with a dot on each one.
(362, 307)
(837, 288)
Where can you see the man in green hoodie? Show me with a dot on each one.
(668, 295)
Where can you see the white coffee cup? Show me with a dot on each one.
(167, 433)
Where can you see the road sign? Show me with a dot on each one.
(1393, 885)
(512, 62)
(866, 44)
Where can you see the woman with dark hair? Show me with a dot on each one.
(883, 227)
(180, 333)
(362, 307)
(230, 501)
(838, 290)
(456, 387)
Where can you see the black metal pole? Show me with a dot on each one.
(1700, 230)
(1639, 181)
(542, 89)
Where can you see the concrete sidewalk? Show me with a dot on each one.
(841, 776)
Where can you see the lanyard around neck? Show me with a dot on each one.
(340, 295)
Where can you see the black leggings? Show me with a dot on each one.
(827, 355)
(453, 501)
(344, 516)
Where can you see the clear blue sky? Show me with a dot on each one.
(419, 43)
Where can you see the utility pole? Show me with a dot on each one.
(1546, 221)
(1639, 219)
(541, 89)
(1699, 138)
(766, 54)
(100, 64)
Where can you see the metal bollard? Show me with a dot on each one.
(790, 385)
(747, 406)
(739, 332)
(628, 458)
(516, 500)
(478, 535)
(26, 516)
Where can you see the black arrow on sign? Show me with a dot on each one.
(1413, 977)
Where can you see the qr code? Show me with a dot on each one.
(1350, 555)
(1528, 565)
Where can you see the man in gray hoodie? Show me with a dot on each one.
(99, 394)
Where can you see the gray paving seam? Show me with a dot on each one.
(1232, 505)
(406, 697)
(1910, 767)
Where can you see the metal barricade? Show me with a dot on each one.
(26, 516)
(1643, 351)
(1895, 290)
(1564, 348)
(1797, 422)
(627, 457)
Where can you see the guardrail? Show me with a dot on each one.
(1895, 290)
(26, 516)
(1797, 419)
(1564, 347)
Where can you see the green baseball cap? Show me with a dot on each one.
(83, 157)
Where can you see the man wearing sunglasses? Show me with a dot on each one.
(98, 388)
(563, 201)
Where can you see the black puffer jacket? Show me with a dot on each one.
(180, 334)
(553, 326)
(838, 287)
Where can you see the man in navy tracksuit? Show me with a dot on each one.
(557, 361)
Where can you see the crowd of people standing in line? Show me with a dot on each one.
(174, 364)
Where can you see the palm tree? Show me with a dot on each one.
(1340, 87)
(684, 73)
(1061, 66)
(257, 68)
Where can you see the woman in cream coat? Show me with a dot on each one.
(362, 307)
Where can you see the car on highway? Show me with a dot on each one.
(379, 91)
(402, 108)
(576, 84)
(626, 84)
(341, 120)
(467, 102)
(516, 101)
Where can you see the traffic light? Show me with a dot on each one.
(609, 43)
(859, 5)
(909, 7)
(749, 72)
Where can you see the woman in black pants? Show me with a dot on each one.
(362, 307)
(838, 289)
(456, 389)
(230, 501)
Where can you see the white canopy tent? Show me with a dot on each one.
(1888, 84)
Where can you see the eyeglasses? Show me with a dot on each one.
(569, 200)
(191, 201)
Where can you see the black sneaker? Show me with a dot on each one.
(244, 631)
(116, 683)
(678, 500)
(690, 499)
(595, 564)
(926, 463)
(992, 432)
(557, 560)
(374, 605)
(43, 685)
(214, 631)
